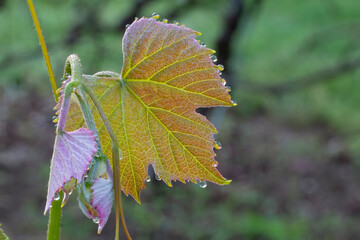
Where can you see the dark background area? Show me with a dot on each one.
(291, 146)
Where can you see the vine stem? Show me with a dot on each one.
(116, 153)
(55, 219)
(44, 49)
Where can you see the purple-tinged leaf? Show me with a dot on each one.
(102, 200)
(72, 155)
(73, 151)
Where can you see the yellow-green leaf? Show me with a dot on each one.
(2, 235)
(166, 76)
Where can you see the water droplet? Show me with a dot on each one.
(214, 58)
(220, 73)
(228, 88)
(203, 44)
(217, 145)
(157, 177)
(127, 25)
(155, 15)
(165, 20)
(223, 81)
(136, 18)
(96, 220)
(57, 197)
(234, 102)
(221, 67)
(65, 199)
(215, 164)
(175, 22)
(202, 184)
(148, 179)
(55, 119)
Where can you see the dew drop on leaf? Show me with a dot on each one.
(127, 25)
(215, 164)
(148, 178)
(57, 197)
(234, 102)
(228, 88)
(214, 58)
(202, 184)
(221, 67)
(157, 177)
(217, 145)
(96, 220)
(55, 119)
(65, 199)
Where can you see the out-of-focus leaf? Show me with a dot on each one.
(2, 235)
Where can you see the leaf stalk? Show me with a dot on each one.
(116, 155)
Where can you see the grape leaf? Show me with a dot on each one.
(72, 154)
(102, 200)
(167, 74)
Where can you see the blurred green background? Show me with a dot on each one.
(291, 146)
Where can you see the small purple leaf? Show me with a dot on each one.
(102, 200)
(73, 152)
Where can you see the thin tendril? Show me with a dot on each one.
(44, 49)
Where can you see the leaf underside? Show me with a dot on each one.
(166, 76)
(73, 151)
(102, 200)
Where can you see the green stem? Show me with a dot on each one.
(116, 165)
(73, 67)
(55, 219)
(44, 49)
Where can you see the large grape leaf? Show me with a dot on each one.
(167, 74)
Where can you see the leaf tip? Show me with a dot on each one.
(227, 182)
